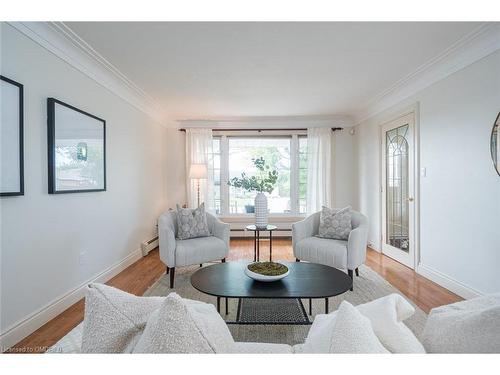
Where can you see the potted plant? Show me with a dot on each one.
(263, 182)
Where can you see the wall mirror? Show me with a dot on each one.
(495, 144)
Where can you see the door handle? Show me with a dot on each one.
(410, 199)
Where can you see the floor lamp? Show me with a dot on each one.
(198, 172)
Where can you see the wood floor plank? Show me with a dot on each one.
(137, 278)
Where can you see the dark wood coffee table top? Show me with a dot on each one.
(306, 280)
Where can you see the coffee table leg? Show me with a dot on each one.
(270, 246)
(326, 305)
(255, 246)
(218, 305)
(310, 306)
(227, 307)
(258, 246)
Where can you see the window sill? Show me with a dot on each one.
(248, 218)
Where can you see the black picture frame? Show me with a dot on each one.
(51, 146)
(21, 139)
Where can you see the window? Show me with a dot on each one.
(233, 155)
(276, 153)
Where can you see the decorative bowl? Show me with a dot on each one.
(266, 278)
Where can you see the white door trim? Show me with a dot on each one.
(415, 109)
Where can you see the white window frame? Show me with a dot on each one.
(294, 169)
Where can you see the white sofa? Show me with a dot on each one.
(118, 322)
(178, 253)
(113, 317)
(347, 255)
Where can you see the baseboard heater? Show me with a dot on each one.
(147, 246)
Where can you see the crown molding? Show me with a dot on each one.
(60, 40)
(275, 122)
(481, 42)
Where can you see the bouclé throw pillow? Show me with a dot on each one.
(192, 223)
(114, 320)
(335, 224)
(172, 329)
(386, 315)
(353, 333)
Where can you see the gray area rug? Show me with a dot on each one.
(367, 287)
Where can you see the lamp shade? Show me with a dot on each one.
(198, 171)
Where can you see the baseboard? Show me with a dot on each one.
(31, 323)
(372, 246)
(447, 282)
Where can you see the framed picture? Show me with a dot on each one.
(76, 149)
(11, 141)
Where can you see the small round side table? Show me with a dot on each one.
(256, 240)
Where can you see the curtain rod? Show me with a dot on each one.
(260, 130)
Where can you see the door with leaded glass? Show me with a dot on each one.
(397, 190)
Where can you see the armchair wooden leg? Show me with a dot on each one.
(357, 272)
(172, 275)
(350, 273)
(223, 260)
(167, 270)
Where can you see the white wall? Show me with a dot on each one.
(42, 234)
(460, 197)
(176, 182)
(344, 174)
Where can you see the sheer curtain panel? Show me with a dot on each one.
(199, 151)
(319, 168)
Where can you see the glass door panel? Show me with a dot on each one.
(397, 181)
(397, 189)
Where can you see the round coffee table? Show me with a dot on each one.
(306, 280)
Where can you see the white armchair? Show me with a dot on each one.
(179, 253)
(347, 255)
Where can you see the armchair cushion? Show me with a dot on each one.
(323, 251)
(199, 250)
(334, 223)
(192, 223)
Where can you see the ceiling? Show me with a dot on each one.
(213, 70)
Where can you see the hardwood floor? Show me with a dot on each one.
(141, 275)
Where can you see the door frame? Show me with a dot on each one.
(415, 109)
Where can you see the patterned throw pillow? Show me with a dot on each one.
(192, 223)
(335, 224)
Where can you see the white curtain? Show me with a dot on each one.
(199, 151)
(319, 166)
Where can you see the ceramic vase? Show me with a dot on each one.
(261, 210)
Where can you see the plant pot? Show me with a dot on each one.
(249, 208)
(264, 278)
(260, 210)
